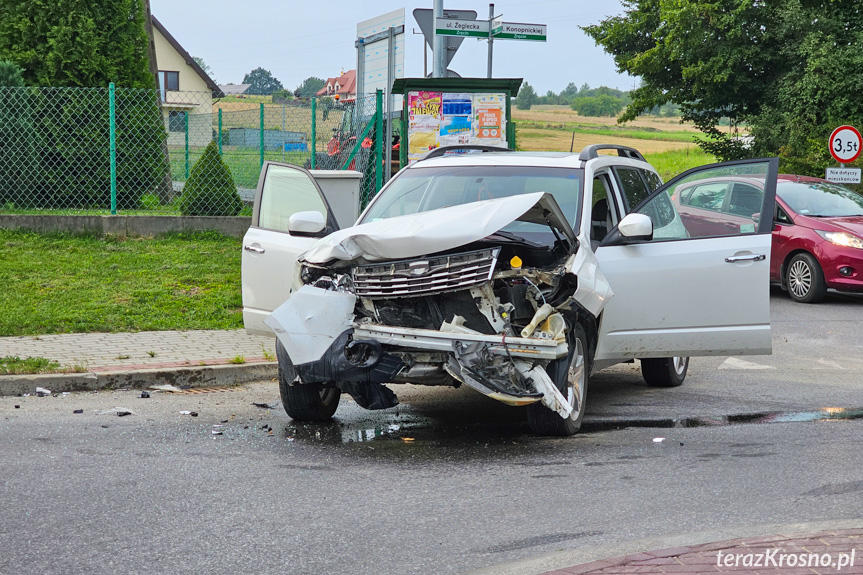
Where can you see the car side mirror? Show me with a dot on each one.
(303, 223)
(636, 227)
(632, 229)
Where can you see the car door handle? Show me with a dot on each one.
(254, 249)
(749, 258)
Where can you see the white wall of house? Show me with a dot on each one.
(193, 96)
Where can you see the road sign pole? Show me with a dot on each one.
(439, 50)
(490, 39)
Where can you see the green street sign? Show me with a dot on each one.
(468, 28)
(518, 31)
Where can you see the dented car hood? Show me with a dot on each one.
(437, 230)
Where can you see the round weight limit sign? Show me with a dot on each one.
(845, 144)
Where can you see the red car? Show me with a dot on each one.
(817, 234)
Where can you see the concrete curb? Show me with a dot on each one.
(127, 225)
(197, 376)
(569, 558)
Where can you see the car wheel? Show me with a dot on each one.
(804, 279)
(570, 374)
(664, 371)
(304, 401)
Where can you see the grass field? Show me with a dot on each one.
(69, 284)
(666, 143)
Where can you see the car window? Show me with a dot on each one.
(782, 216)
(706, 197)
(287, 191)
(745, 199)
(422, 189)
(820, 199)
(653, 181)
(745, 182)
(603, 215)
(634, 187)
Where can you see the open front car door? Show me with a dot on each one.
(686, 287)
(291, 214)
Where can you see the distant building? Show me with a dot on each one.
(184, 88)
(345, 86)
(234, 89)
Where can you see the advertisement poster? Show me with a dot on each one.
(450, 119)
(424, 120)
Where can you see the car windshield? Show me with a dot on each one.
(820, 199)
(423, 189)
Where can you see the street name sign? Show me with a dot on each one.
(845, 144)
(843, 175)
(453, 27)
(519, 31)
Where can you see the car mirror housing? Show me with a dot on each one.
(636, 227)
(632, 229)
(306, 223)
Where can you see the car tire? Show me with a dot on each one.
(304, 401)
(805, 279)
(664, 371)
(570, 374)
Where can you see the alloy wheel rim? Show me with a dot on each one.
(799, 278)
(575, 392)
(679, 364)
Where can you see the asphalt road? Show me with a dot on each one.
(445, 483)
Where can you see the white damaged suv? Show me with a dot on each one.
(517, 274)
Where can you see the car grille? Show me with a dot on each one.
(438, 274)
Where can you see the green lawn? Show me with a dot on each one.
(672, 163)
(75, 284)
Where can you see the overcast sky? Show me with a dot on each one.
(295, 39)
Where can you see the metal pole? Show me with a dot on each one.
(262, 135)
(439, 50)
(284, 139)
(490, 39)
(361, 67)
(379, 110)
(314, 135)
(391, 61)
(220, 131)
(112, 130)
(186, 130)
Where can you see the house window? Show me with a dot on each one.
(177, 121)
(169, 81)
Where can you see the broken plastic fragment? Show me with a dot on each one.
(165, 387)
(76, 411)
(543, 312)
(123, 413)
(552, 398)
(144, 395)
(658, 439)
(42, 392)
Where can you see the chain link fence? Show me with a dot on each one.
(131, 151)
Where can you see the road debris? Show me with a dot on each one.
(42, 392)
(17, 407)
(120, 411)
(192, 413)
(658, 439)
(165, 387)
(144, 395)
(78, 411)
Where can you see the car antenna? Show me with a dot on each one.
(572, 143)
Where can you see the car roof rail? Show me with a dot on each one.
(437, 152)
(591, 152)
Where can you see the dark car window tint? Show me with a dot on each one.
(745, 200)
(633, 186)
(653, 181)
(781, 216)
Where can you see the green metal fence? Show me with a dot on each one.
(117, 150)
